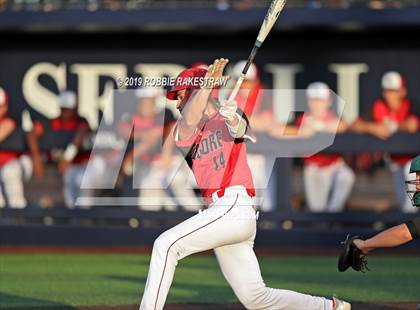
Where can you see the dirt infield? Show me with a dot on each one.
(355, 306)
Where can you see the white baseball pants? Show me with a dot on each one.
(228, 226)
(327, 188)
(72, 179)
(12, 175)
(155, 184)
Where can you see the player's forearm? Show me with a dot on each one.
(6, 130)
(73, 148)
(33, 145)
(360, 126)
(4, 135)
(410, 125)
(194, 109)
(79, 137)
(34, 148)
(392, 237)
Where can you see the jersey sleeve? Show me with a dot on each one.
(378, 111)
(414, 227)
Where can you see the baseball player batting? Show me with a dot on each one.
(210, 135)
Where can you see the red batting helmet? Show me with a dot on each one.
(187, 79)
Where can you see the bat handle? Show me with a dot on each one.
(238, 84)
(235, 90)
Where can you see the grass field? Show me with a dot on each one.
(54, 280)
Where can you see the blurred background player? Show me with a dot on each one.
(391, 114)
(73, 160)
(12, 170)
(330, 170)
(252, 99)
(152, 161)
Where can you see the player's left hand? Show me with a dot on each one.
(215, 73)
(351, 256)
(228, 109)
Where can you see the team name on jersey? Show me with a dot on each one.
(208, 145)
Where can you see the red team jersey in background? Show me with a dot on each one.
(382, 112)
(72, 125)
(216, 159)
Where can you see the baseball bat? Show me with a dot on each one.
(270, 18)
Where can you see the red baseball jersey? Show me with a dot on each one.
(381, 112)
(216, 159)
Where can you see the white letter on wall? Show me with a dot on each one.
(37, 96)
(90, 101)
(283, 78)
(348, 87)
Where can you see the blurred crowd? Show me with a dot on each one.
(114, 5)
(328, 180)
(160, 177)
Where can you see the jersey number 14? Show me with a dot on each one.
(219, 161)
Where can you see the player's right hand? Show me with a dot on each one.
(228, 109)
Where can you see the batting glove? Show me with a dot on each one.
(228, 109)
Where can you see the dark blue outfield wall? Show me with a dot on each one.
(62, 56)
(122, 237)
